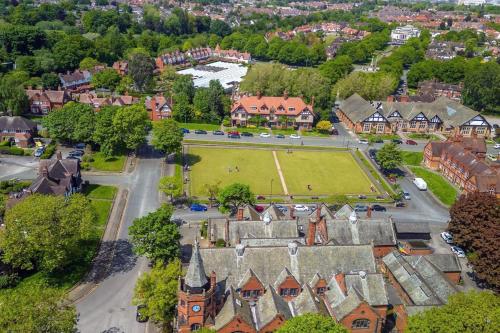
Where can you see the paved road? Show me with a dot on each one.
(108, 308)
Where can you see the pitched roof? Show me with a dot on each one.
(16, 123)
(292, 106)
(357, 108)
(350, 303)
(344, 212)
(363, 231)
(195, 276)
(270, 305)
(405, 227)
(54, 96)
(234, 306)
(308, 302)
(370, 286)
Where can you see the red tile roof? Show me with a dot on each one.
(263, 105)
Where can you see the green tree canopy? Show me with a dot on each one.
(132, 124)
(235, 195)
(74, 122)
(157, 291)
(311, 323)
(482, 88)
(170, 186)
(141, 70)
(13, 98)
(371, 86)
(183, 85)
(167, 136)
(46, 232)
(105, 135)
(107, 78)
(389, 156)
(465, 312)
(155, 236)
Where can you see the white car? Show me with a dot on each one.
(265, 135)
(497, 146)
(301, 208)
(492, 157)
(406, 196)
(363, 141)
(458, 251)
(294, 136)
(447, 237)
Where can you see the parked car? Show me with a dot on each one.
(363, 141)
(420, 184)
(411, 142)
(234, 132)
(379, 208)
(77, 153)
(261, 197)
(200, 131)
(492, 157)
(279, 136)
(458, 251)
(233, 136)
(361, 196)
(360, 208)
(71, 157)
(39, 151)
(406, 195)
(294, 136)
(184, 130)
(334, 131)
(399, 204)
(301, 208)
(140, 316)
(259, 208)
(265, 135)
(198, 208)
(397, 141)
(282, 208)
(218, 133)
(447, 237)
(497, 146)
(246, 134)
(372, 153)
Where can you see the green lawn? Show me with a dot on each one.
(105, 192)
(284, 131)
(326, 172)
(256, 168)
(253, 130)
(443, 190)
(196, 126)
(412, 157)
(314, 133)
(103, 163)
(423, 136)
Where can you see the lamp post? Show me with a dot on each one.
(271, 195)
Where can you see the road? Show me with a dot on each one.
(108, 308)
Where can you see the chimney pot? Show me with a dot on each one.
(59, 155)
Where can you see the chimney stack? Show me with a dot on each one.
(340, 278)
(390, 98)
(311, 233)
(259, 94)
(285, 94)
(45, 171)
(239, 214)
(292, 211)
(369, 212)
(59, 155)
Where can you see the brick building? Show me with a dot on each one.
(439, 89)
(43, 101)
(462, 161)
(18, 129)
(121, 67)
(440, 116)
(158, 107)
(77, 81)
(282, 111)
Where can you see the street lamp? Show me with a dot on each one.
(271, 195)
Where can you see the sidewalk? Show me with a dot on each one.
(102, 260)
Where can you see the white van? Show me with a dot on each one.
(420, 184)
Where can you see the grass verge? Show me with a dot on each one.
(412, 157)
(110, 164)
(198, 126)
(443, 190)
(374, 173)
(424, 136)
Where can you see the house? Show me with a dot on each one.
(78, 81)
(462, 161)
(439, 89)
(441, 115)
(57, 177)
(158, 107)
(170, 59)
(231, 55)
(43, 101)
(17, 129)
(97, 102)
(273, 111)
(256, 289)
(444, 50)
(121, 67)
(400, 35)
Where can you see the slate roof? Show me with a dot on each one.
(405, 227)
(351, 302)
(54, 96)
(269, 262)
(371, 287)
(61, 175)
(422, 281)
(344, 212)
(260, 242)
(16, 123)
(366, 231)
(445, 262)
(195, 276)
(270, 305)
(234, 306)
(308, 302)
(357, 108)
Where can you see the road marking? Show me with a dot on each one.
(282, 179)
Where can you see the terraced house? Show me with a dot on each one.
(273, 111)
(440, 116)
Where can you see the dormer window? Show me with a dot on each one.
(291, 109)
(253, 108)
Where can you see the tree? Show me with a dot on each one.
(73, 122)
(170, 186)
(184, 85)
(107, 78)
(50, 81)
(155, 236)
(46, 232)
(212, 190)
(132, 124)
(311, 323)
(371, 86)
(465, 312)
(219, 28)
(324, 126)
(235, 195)
(167, 136)
(141, 70)
(70, 50)
(36, 307)
(105, 134)
(481, 89)
(474, 225)
(157, 291)
(88, 63)
(389, 156)
(13, 98)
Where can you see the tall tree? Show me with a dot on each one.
(105, 135)
(36, 308)
(155, 236)
(474, 224)
(182, 110)
(45, 232)
(311, 323)
(132, 124)
(183, 85)
(235, 195)
(73, 122)
(141, 69)
(482, 88)
(13, 98)
(389, 156)
(170, 186)
(107, 79)
(167, 136)
(157, 291)
(465, 312)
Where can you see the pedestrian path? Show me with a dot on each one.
(278, 167)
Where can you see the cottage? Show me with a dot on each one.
(78, 81)
(158, 107)
(121, 67)
(17, 129)
(43, 101)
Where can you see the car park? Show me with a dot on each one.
(301, 208)
(411, 142)
(379, 208)
(406, 195)
(294, 136)
(233, 136)
(200, 132)
(397, 141)
(279, 136)
(265, 135)
(184, 130)
(39, 151)
(198, 208)
(246, 134)
(363, 141)
(218, 133)
(458, 251)
(447, 237)
(360, 208)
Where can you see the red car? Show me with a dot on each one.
(233, 133)
(411, 142)
(259, 209)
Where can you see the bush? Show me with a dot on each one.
(8, 280)
(226, 122)
(5, 143)
(49, 151)
(85, 166)
(203, 229)
(220, 243)
(87, 158)
(12, 151)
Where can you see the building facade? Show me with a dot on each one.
(43, 101)
(439, 116)
(273, 111)
(18, 129)
(400, 35)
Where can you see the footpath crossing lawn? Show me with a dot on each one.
(327, 172)
(256, 168)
